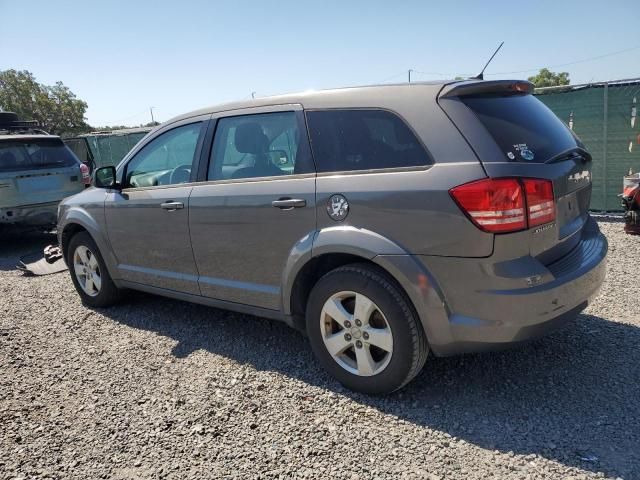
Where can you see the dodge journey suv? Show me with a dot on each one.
(386, 221)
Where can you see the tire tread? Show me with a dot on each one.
(419, 344)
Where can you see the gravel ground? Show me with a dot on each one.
(157, 388)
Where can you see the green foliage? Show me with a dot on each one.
(55, 107)
(108, 128)
(547, 78)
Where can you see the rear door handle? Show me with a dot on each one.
(289, 203)
(171, 206)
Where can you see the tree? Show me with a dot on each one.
(55, 107)
(547, 78)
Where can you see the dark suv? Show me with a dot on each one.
(36, 171)
(387, 221)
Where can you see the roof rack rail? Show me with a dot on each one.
(9, 122)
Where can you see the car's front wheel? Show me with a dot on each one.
(89, 273)
(364, 331)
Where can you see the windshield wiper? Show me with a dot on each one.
(571, 154)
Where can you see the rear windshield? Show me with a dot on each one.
(30, 154)
(522, 126)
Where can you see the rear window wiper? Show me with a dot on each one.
(571, 154)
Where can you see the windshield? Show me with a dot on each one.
(30, 154)
(522, 126)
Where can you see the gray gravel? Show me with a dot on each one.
(162, 389)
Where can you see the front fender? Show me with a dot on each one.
(89, 216)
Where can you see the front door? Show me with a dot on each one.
(148, 221)
(258, 203)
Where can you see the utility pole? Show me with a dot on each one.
(253, 94)
(151, 110)
(410, 70)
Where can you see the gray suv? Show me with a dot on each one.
(386, 221)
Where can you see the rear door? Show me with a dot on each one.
(516, 135)
(37, 170)
(256, 206)
(148, 221)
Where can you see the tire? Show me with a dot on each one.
(107, 294)
(392, 313)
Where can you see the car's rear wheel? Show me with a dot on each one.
(89, 273)
(364, 331)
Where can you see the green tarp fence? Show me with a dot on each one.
(103, 149)
(604, 116)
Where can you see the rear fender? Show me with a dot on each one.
(411, 275)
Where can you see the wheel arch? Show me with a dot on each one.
(77, 220)
(70, 230)
(339, 246)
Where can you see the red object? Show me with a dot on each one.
(540, 203)
(521, 87)
(86, 176)
(506, 204)
(493, 205)
(631, 203)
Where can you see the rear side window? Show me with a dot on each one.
(30, 154)
(347, 140)
(522, 126)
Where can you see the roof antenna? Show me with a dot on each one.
(480, 76)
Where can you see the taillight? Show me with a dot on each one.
(506, 204)
(86, 176)
(540, 205)
(493, 205)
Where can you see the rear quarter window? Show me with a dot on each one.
(522, 126)
(348, 140)
(35, 154)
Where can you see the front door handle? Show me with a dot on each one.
(289, 203)
(171, 206)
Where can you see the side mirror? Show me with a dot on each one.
(105, 177)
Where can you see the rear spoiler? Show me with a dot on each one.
(480, 87)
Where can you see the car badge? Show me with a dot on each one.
(337, 207)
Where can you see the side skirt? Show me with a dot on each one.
(211, 302)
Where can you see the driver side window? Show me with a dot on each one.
(166, 160)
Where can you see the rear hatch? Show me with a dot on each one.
(36, 170)
(517, 136)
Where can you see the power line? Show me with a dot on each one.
(402, 74)
(127, 118)
(569, 63)
(438, 74)
(536, 69)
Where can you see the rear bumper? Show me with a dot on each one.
(40, 214)
(489, 307)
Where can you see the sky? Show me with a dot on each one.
(123, 57)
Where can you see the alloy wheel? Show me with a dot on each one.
(356, 333)
(87, 271)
